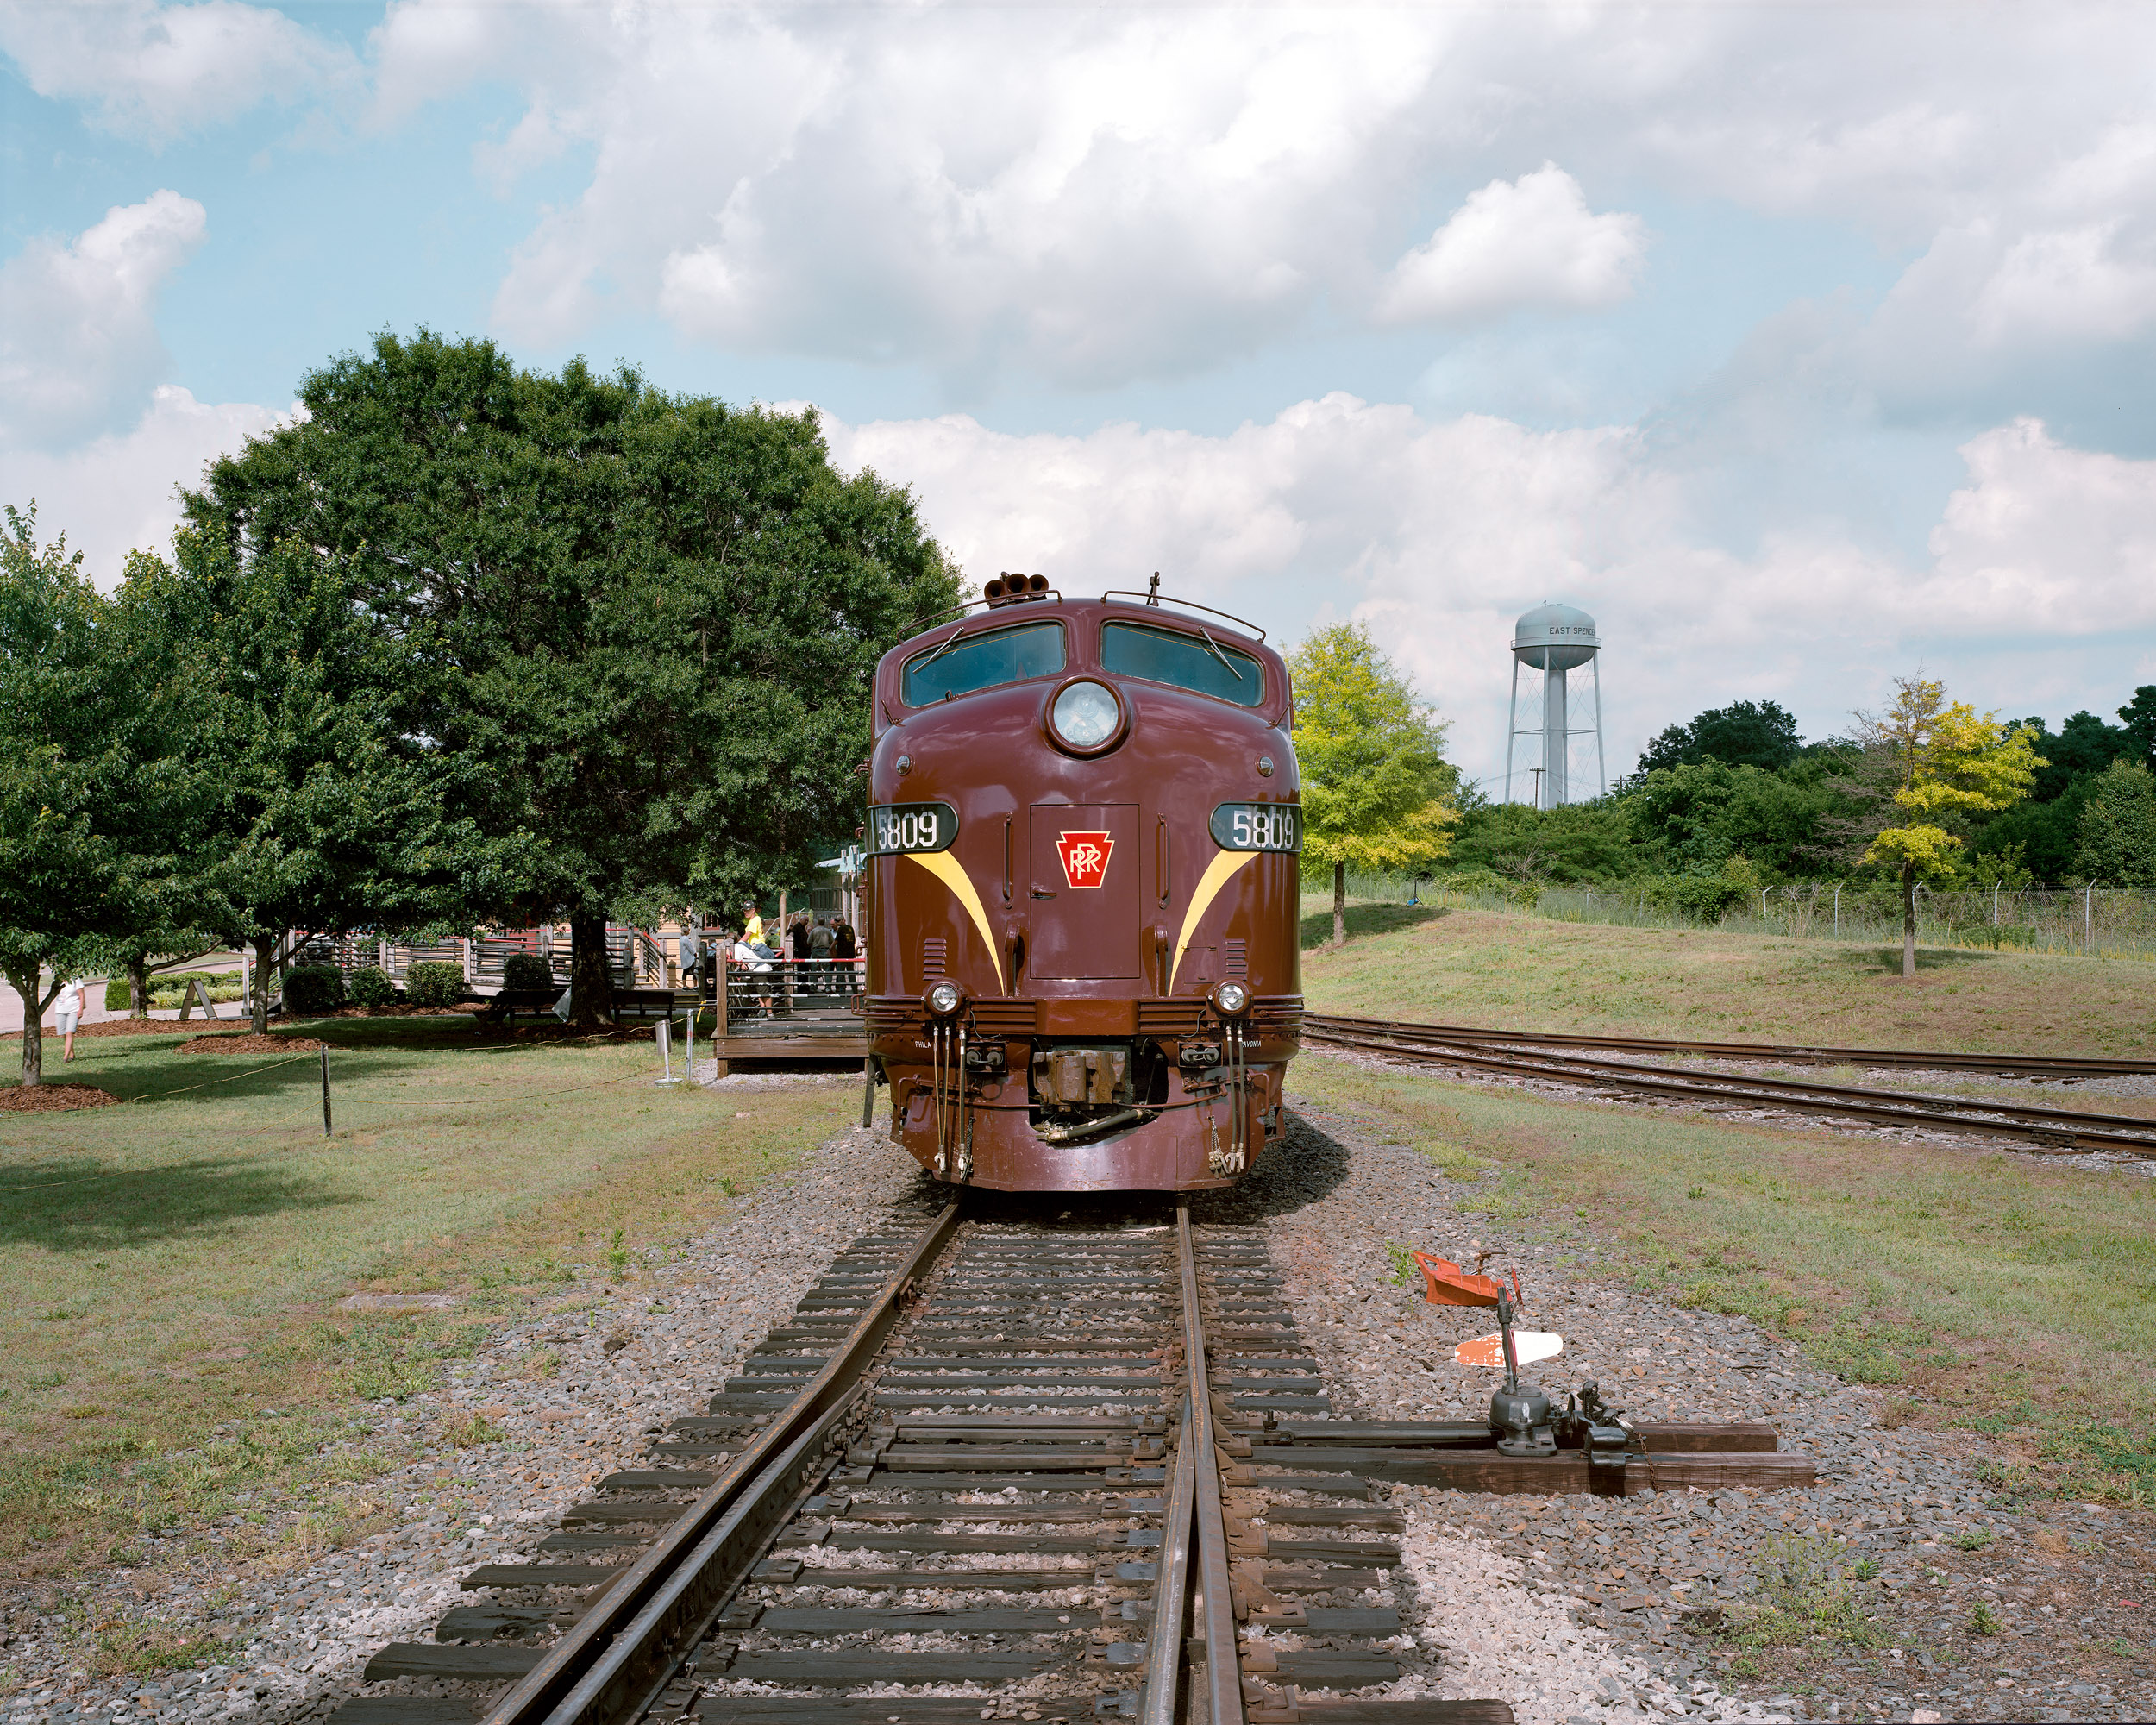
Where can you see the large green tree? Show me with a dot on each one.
(1377, 792)
(643, 627)
(330, 814)
(96, 799)
(2138, 717)
(1696, 817)
(1573, 843)
(2118, 827)
(1761, 734)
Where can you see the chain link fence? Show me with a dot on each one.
(2113, 922)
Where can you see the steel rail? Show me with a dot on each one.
(2071, 1066)
(2023, 1112)
(1224, 1673)
(2052, 1131)
(1171, 1587)
(623, 1652)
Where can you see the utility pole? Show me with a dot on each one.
(1537, 771)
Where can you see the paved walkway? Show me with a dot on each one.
(94, 998)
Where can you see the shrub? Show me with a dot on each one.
(1489, 883)
(434, 985)
(526, 971)
(1706, 898)
(312, 988)
(370, 986)
(118, 998)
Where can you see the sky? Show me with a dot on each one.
(1805, 345)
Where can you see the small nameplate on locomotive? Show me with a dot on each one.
(904, 829)
(1257, 826)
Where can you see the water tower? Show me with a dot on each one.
(1554, 639)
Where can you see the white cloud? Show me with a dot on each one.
(1163, 191)
(1093, 196)
(2047, 538)
(79, 344)
(157, 73)
(117, 494)
(1519, 245)
(1439, 534)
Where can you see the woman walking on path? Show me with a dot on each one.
(67, 1014)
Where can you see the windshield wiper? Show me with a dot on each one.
(1219, 655)
(949, 640)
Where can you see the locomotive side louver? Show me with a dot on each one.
(1235, 960)
(934, 954)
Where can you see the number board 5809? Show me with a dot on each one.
(1257, 826)
(901, 828)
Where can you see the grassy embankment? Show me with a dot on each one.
(1478, 968)
(1999, 1294)
(171, 1350)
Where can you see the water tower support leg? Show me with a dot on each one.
(1512, 726)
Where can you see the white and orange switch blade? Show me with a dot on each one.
(1527, 1345)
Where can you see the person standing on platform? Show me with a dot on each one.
(820, 941)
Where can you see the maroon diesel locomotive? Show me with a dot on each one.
(1084, 820)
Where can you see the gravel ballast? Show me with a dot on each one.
(1645, 1585)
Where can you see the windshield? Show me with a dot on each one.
(1189, 661)
(981, 661)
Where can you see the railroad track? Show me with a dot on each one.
(1788, 1054)
(1055, 1464)
(2052, 1131)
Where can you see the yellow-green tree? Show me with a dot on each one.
(1946, 761)
(1376, 789)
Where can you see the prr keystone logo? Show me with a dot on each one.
(1085, 856)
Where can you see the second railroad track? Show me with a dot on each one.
(2055, 1131)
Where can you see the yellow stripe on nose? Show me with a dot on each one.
(1209, 885)
(944, 868)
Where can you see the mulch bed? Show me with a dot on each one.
(52, 1098)
(250, 1043)
(133, 1027)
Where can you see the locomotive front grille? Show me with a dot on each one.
(1170, 1019)
(1010, 1018)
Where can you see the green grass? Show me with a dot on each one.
(1476, 968)
(171, 1350)
(2016, 1298)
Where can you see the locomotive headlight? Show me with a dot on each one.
(1086, 716)
(1232, 1000)
(943, 999)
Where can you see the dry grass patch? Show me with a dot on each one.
(1529, 973)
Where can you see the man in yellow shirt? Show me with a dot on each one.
(751, 925)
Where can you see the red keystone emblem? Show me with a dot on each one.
(1085, 856)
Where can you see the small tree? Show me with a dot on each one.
(1946, 763)
(2118, 827)
(1376, 789)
